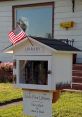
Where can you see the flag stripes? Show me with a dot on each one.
(14, 38)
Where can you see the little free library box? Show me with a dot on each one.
(41, 66)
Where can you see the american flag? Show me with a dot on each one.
(16, 35)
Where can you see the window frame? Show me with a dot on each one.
(34, 5)
(33, 72)
(34, 86)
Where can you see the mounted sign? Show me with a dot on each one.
(38, 104)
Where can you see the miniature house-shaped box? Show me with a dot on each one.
(42, 64)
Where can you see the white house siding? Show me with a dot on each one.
(6, 24)
(63, 12)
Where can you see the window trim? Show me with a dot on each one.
(33, 5)
(36, 86)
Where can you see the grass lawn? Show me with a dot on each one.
(12, 111)
(9, 92)
(68, 105)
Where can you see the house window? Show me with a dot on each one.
(35, 19)
(33, 72)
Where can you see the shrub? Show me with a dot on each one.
(6, 72)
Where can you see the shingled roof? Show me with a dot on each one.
(55, 44)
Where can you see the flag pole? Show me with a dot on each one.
(26, 35)
(29, 40)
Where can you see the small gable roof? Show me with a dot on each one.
(56, 44)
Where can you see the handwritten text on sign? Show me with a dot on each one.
(38, 104)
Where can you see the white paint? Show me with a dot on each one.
(63, 68)
(37, 104)
(37, 98)
(59, 63)
(33, 86)
(31, 47)
(63, 12)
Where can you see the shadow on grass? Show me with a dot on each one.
(11, 101)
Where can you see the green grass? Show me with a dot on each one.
(68, 105)
(9, 92)
(12, 111)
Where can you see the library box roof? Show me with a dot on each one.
(55, 44)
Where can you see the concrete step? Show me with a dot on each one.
(77, 86)
(72, 90)
(77, 66)
(77, 73)
(77, 79)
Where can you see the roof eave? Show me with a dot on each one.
(68, 52)
(11, 48)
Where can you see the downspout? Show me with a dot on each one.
(73, 6)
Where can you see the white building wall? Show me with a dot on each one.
(63, 12)
(62, 67)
